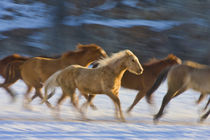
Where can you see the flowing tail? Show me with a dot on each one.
(162, 76)
(13, 73)
(50, 84)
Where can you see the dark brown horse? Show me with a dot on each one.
(4, 63)
(36, 70)
(144, 82)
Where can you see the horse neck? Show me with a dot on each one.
(159, 66)
(118, 67)
(78, 58)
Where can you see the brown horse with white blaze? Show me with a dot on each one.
(105, 79)
(36, 70)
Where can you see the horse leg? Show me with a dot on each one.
(137, 99)
(26, 95)
(90, 103)
(10, 93)
(170, 94)
(207, 104)
(205, 116)
(60, 100)
(39, 93)
(34, 96)
(6, 87)
(165, 101)
(116, 101)
(201, 98)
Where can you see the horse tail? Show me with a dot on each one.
(50, 84)
(12, 72)
(162, 76)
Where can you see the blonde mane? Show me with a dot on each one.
(113, 58)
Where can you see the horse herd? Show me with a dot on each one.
(70, 71)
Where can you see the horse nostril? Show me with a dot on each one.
(141, 71)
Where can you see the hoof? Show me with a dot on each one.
(155, 119)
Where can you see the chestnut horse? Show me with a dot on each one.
(36, 70)
(189, 75)
(4, 72)
(105, 79)
(144, 82)
(9, 69)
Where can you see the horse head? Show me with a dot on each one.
(133, 64)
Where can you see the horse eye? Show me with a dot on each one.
(133, 60)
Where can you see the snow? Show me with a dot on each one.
(179, 122)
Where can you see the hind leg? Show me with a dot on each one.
(202, 96)
(205, 116)
(6, 86)
(39, 93)
(13, 95)
(89, 102)
(207, 104)
(57, 106)
(170, 94)
(139, 96)
(87, 98)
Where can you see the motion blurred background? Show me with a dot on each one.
(150, 28)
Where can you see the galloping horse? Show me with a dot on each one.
(4, 72)
(36, 70)
(144, 82)
(105, 79)
(189, 75)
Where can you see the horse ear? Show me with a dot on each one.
(171, 56)
(128, 52)
(79, 46)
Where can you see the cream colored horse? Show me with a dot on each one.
(105, 79)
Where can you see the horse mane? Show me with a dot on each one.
(81, 48)
(172, 57)
(113, 58)
(12, 57)
(194, 64)
(151, 61)
(155, 60)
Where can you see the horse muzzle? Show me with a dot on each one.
(140, 71)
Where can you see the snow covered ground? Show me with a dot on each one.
(179, 122)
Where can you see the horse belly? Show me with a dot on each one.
(200, 81)
(201, 86)
(88, 86)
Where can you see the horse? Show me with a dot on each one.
(144, 82)
(105, 79)
(4, 72)
(9, 69)
(36, 70)
(189, 75)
